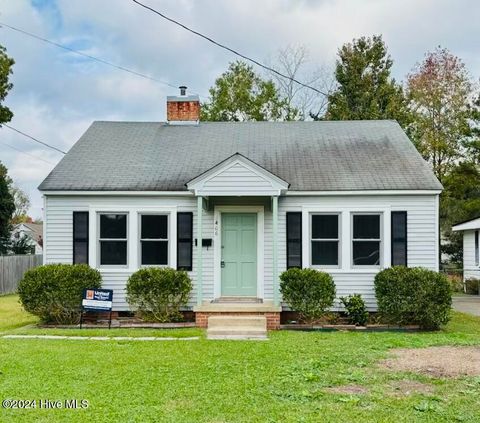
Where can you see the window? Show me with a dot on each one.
(366, 240)
(113, 239)
(399, 238)
(154, 239)
(325, 239)
(184, 240)
(294, 239)
(476, 249)
(80, 237)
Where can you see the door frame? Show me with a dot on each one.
(217, 253)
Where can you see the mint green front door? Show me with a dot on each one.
(239, 254)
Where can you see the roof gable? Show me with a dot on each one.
(237, 175)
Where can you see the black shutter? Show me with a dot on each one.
(294, 239)
(80, 238)
(399, 238)
(184, 240)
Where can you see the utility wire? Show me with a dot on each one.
(88, 56)
(34, 139)
(256, 62)
(27, 154)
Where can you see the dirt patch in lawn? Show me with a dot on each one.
(348, 390)
(403, 388)
(436, 361)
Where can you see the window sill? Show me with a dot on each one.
(353, 270)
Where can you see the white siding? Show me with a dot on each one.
(237, 178)
(58, 234)
(470, 270)
(422, 235)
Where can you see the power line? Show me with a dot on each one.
(88, 56)
(27, 154)
(34, 139)
(229, 49)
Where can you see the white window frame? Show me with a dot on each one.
(379, 240)
(140, 239)
(338, 240)
(99, 241)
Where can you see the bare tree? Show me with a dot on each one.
(294, 62)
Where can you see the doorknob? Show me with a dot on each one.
(222, 264)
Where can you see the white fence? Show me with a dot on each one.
(12, 269)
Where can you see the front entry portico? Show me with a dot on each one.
(240, 263)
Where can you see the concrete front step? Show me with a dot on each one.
(239, 337)
(254, 322)
(237, 327)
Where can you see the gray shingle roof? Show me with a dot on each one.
(311, 156)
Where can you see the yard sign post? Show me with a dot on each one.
(95, 299)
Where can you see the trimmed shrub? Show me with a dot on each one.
(308, 291)
(158, 293)
(472, 286)
(53, 292)
(355, 309)
(413, 296)
(456, 281)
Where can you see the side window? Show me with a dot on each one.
(154, 239)
(113, 239)
(325, 241)
(366, 240)
(80, 238)
(476, 248)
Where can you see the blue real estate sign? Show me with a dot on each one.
(97, 299)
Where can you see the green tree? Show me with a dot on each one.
(6, 64)
(22, 245)
(7, 207)
(366, 89)
(22, 204)
(439, 90)
(240, 94)
(460, 201)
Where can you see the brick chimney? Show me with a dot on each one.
(183, 109)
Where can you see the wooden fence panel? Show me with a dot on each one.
(12, 269)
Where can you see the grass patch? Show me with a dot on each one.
(284, 379)
(12, 315)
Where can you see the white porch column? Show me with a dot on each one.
(199, 250)
(276, 293)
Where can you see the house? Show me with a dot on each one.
(471, 263)
(32, 231)
(237, 203)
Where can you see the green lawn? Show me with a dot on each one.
(283, 379)
(12, 314)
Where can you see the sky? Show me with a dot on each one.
(58, 94)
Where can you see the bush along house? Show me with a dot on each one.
(237, 203)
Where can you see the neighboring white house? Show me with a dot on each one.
(32, 231)
(236, 204)
(471, 263)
